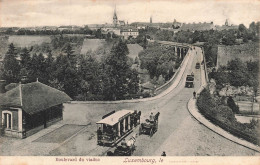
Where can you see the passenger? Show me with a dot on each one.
(114, 133)
(123, 143)
(135, 118)
(139, 116)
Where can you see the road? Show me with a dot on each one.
(179, 134)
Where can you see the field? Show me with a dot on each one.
(27, 41)
(245, 52)
(134, 49)
(91, 45)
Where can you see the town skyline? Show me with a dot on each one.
(57, 13)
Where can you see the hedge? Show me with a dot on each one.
(223, 116)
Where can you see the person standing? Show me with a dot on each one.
(151, 117)
(99, 134)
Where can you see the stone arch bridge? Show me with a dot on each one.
(179, 49)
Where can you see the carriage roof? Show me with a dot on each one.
(115, 117)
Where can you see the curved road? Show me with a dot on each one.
(179, 134)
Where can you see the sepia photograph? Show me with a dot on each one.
(129, 81)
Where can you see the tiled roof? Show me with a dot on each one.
(33, 97)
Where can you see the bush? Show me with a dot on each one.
(224, 117)
(231, 104)
(146, 94)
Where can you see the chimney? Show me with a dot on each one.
(2, 86)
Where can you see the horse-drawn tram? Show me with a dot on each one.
(116, 126)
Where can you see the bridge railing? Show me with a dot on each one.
(205, 65)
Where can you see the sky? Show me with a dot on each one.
(27, 13)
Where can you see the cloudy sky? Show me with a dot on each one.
(81, 12)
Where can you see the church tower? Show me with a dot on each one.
(151, 19)
(115, 21)
(226, 22)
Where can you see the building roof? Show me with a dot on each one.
(115, 117)
(33, 97)
(129, 29)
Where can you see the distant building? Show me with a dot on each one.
(226, 26)
(197, 26)
(151, 19)
(27, 108)
(115, 20)
(129, 31)
(122, 23)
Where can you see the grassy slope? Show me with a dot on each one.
(27, 41)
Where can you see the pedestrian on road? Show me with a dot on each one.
(163, 154)
(194, 95)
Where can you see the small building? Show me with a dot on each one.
(28, 108)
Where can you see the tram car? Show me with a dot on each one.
(149, 127)
(116, 126)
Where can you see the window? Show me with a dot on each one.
(7, 120)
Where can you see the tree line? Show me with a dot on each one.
(211, 38)
(237, 73)
(159, 60)
(81, 77)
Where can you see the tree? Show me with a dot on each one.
(108, 37)
(49, 65)
(116, 72)
(68, 50)
(25, 59)
(66, 75)
(232, 105)
(11, 65)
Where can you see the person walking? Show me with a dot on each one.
(163, 154)
(194, 95)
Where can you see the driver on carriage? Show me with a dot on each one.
(151, 118)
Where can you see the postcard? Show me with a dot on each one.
(129, 82)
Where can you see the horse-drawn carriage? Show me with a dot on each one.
(150, 126)
(125, 149)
